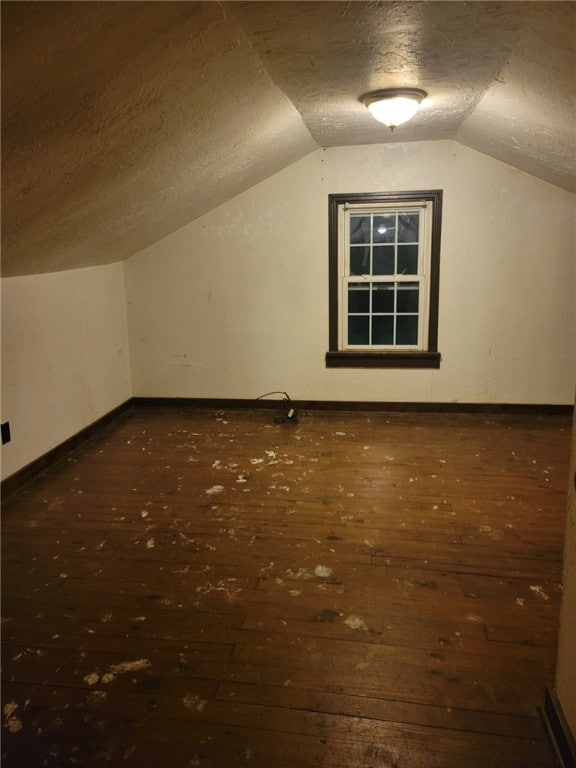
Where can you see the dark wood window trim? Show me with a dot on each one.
(346, 359)
(429, 358)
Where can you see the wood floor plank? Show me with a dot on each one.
(206, 588)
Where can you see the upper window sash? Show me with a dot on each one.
(424, 234)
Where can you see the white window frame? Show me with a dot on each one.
(421, 277)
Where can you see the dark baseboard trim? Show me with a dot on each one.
(355, 405)
(558, 730)
(27, 473)
(30, 471)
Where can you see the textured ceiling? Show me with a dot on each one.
(123, 121)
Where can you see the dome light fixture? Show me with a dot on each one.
(393, 106)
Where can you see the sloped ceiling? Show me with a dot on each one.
(123, 121)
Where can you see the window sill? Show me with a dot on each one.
(382, 359)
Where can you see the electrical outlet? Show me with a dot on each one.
(5, 427)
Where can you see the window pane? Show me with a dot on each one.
(383, 297)
(408, 227)
(407, 259)
(407, 329)
(383, 256)
(359, 229)
(407, 297)
(360, 259)
(385, 229)
(358, 329)
(358, 297)
(382, 330)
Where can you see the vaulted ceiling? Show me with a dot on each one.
(123, 121)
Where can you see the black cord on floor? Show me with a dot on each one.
(287, 414)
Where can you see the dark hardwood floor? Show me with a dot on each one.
(195, 589)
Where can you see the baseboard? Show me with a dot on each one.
(558, 730)
(30, 471)
(356, 405)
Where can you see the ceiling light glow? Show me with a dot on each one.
(393, 106)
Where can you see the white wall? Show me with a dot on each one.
(64, 357)
(236, 303)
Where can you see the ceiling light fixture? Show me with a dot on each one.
(393, 106)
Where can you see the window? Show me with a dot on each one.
(384, 261)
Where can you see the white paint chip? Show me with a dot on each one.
(539, 591)
(323, 571)
(214, 489)
(10, 708)
(13, 724)
(92, 678)
(355, 622)
(130, 666)
(493, 533)
(301, 573)
(193, 702)
(98, 696)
